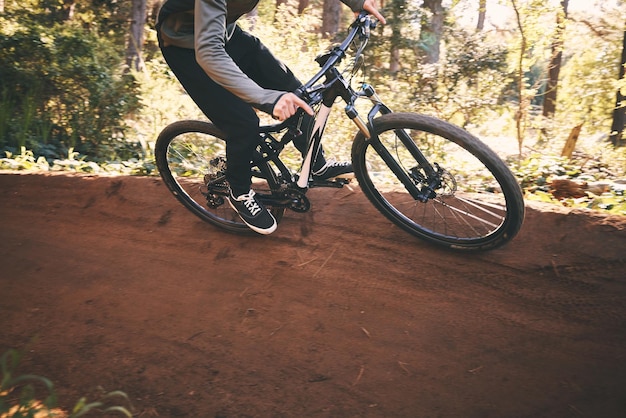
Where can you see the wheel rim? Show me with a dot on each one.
(469, 208)
(194, 159)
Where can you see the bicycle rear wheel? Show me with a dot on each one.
(191, 159)
(469, 200)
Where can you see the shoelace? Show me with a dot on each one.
(250, 203)
(331, 164)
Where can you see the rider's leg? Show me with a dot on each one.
(236, 118)
(239, 122)
(258, 62)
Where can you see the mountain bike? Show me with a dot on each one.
(429, 177)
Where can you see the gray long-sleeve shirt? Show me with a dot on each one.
(205, 25)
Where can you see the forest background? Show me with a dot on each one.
(83, 86)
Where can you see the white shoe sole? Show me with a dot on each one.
(256, 228)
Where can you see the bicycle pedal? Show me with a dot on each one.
(337, 182)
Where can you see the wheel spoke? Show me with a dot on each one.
(464, 186)
(467, 212)
(191, 157)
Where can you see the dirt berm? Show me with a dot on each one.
(109, 282)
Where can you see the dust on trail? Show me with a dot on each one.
(109, 281)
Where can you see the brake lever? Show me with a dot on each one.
(366, 28)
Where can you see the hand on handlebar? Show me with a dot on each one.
(288, 105)
(370, 7)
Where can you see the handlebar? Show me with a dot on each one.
(361, 27)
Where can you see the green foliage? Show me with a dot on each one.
(588, 76)
(472, 79)
(589, 79)
(19, 397)
(535, 171)
(104, 17)
(25, 160)
(600, 177)
(61, 86)
(17, 393)
(64, 94)
(296, 51)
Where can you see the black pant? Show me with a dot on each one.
(236, 118)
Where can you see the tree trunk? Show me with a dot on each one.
(136, 35)
(394, 61)
(302, 5)
(617, 128)
(331, 17)
(570, 144)
(68, 10)
(482, 13)
(432, 31)
(524, 100)
(549, 101)
(396, 19)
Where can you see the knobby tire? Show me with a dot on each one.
(478, 205)
(186, 153)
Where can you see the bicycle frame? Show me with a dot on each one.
(324, 95)
(418, 194)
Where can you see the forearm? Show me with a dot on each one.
(210, 29)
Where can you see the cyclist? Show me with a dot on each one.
(228, 72)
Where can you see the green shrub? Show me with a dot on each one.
(61, 86)
(19, 397)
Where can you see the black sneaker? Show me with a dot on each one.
(253, 213)
(333, 169)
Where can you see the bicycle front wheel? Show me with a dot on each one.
(191, 159)
(438, 182)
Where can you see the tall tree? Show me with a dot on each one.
(432, 30)
(529, 20)
(482, 14)
(524, 99)
(138, 17)
(549, 101)
(302, 5)
(617, 128)
(396, 19)
(331, 17)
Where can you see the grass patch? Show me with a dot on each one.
(32, 396)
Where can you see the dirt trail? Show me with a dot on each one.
(108, 281)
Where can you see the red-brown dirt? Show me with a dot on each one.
(109, 282)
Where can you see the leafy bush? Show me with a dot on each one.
(61, 87)
(19, 397)
(582, 181)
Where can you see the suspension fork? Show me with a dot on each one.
(409, 181)
(340, 88)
